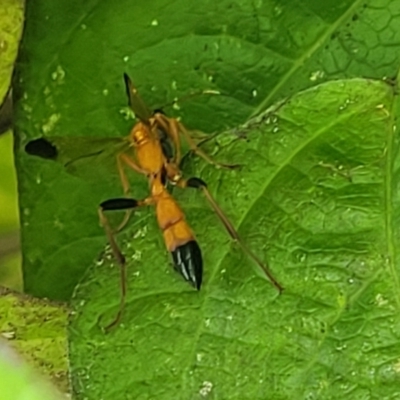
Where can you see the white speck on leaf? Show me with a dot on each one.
(380, 300)
(58, 75)
(206, 388)
(8, 335)
(48, 126)
(316, 75)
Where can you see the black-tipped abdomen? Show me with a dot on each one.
(189, 262)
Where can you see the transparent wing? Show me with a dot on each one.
(137, 105)
(89, 158)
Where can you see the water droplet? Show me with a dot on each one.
(254, 93)
(105, 92)
(126, 59)
(154, 22)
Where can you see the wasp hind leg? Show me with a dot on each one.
(111, 205)
(198, 183)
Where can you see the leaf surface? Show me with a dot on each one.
(69, 83)
(319, 201)
(37, 330)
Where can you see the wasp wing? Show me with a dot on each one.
(136, 103)
(85, 157)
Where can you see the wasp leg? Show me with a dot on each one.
(198, 183)
(110, 205)
(171, 130)
(123, 159)
(173, 127)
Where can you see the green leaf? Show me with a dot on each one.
(317, 197)
(36, 329)
(18, 382)
(69, 83)
(11, 15)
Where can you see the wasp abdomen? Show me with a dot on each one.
(189, 262)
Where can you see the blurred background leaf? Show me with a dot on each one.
(11, 16)
(36, 328)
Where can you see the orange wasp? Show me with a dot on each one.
(153, 149)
